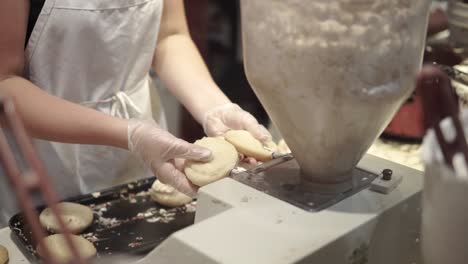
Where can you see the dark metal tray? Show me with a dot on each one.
(126, 221)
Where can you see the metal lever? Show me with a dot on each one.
(33, 179)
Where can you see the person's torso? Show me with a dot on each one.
(98, 47)
(96, 53)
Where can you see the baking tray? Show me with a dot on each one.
(126, 221)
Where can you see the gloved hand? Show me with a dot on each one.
(159, 150)
(227, 117)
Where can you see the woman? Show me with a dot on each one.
(82, 80)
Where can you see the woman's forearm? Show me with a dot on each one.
(181, 68)
(51, 118)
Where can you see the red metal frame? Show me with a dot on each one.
(32, 179)
(440, 102)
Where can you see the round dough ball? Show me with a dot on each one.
(59, 249)
(271, 146)
(283, 147)
(3, 255)
(224, 159)
(77, 217)
(167, 195)
(246, 144)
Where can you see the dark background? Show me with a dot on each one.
(215, 28)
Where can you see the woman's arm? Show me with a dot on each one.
(52, 118)
(180, 66)
(45, 116)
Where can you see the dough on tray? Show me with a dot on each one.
(3, 255)
(225, 158)
(58, 248)
(77, 217)
(167, 195)
(246, 144)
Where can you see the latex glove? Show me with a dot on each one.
(227, 117)
(159, 150)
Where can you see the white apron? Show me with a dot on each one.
(96, 53)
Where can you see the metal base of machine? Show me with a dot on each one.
(236, 223)
(281, 178)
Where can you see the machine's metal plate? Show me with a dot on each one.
(281, 178)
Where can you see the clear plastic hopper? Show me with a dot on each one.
(332, 73)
